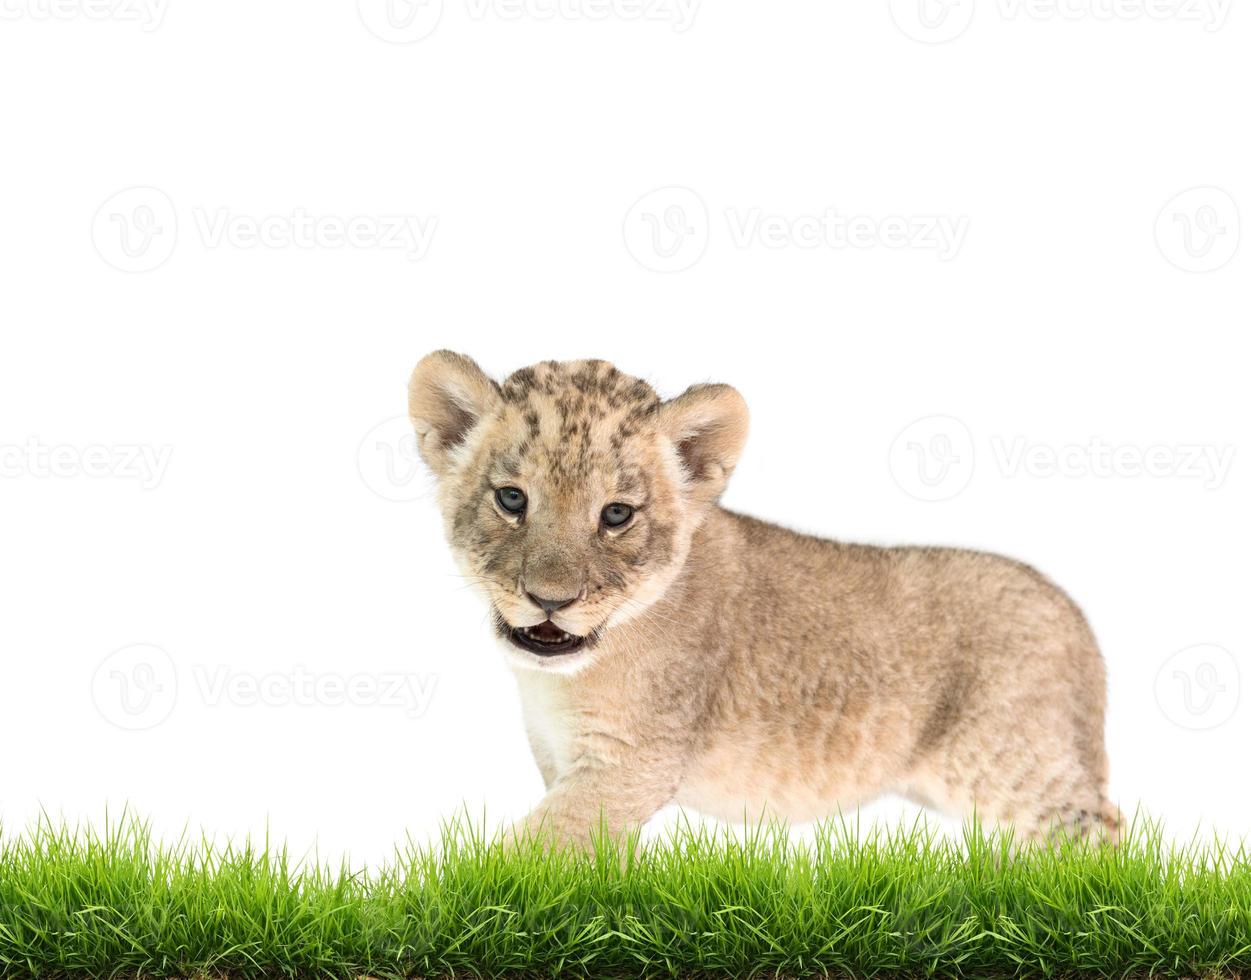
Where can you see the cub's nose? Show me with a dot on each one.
(550, 605)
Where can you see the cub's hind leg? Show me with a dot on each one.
(1038, 768)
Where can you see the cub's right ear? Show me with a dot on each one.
(708, 426)
(447, 396)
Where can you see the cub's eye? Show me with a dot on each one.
(615, 515)
(512, 500)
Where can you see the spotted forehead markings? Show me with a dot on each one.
(578, 385)
(576, 395)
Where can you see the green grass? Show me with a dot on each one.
(903, 903)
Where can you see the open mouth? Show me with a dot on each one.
(546, 639)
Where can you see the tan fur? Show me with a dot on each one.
(735, 666)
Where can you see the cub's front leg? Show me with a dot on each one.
(583, 801)
(617, 797)
(610, 751)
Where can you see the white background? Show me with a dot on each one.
(639, 181)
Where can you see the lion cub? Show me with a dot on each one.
(668, 650)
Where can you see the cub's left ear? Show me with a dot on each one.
(447, 396)
(708, 426)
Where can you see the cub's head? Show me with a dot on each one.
(570, 491)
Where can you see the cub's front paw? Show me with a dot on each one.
(551, 831)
